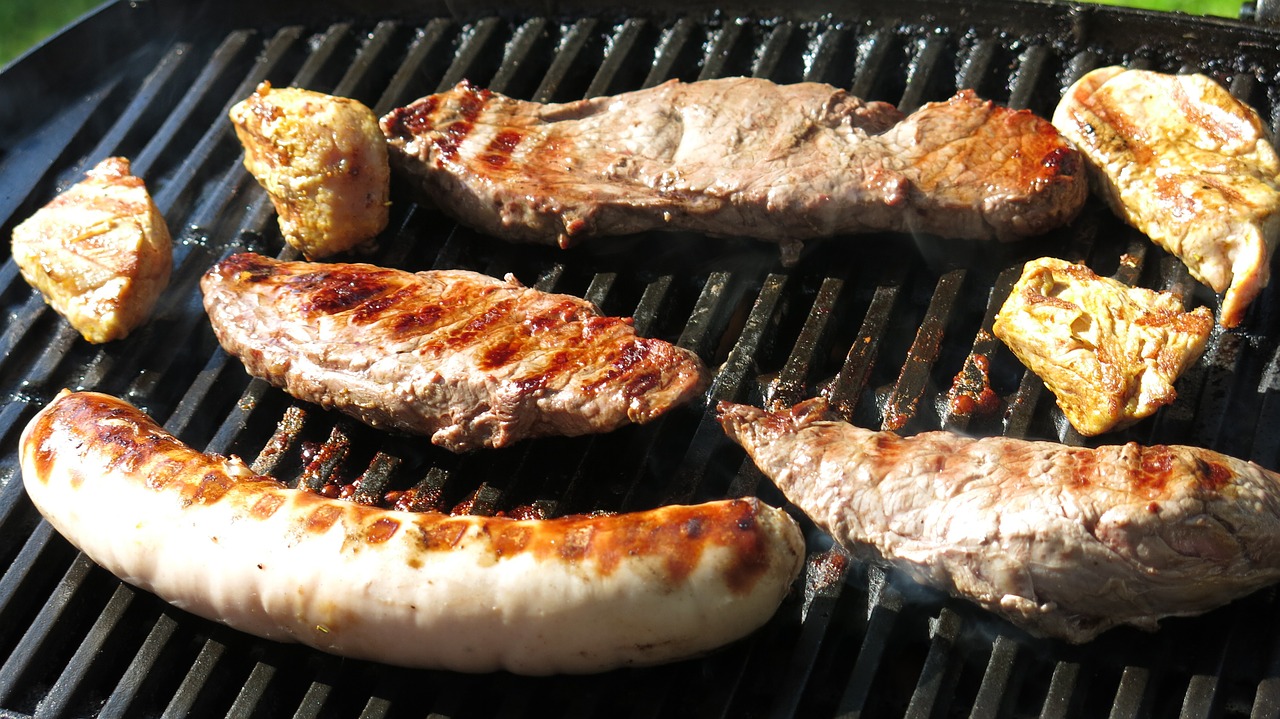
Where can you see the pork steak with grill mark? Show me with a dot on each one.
(468, 359)
(1064, 541)
(736, 157)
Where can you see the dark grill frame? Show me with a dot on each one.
(881, 326)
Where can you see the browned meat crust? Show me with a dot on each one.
(100, 253)
(1188, 164)
(1063, 541)
(737, 156)
(469, 359)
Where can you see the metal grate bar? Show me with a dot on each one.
(673, 41)
(516, 53)
(936, 676)
(126, 690)
(1131, 694)
(822, 52)
(407, 74)
(73, 674)
(19, 661)
(721, 46)
(224, 57)
(791, 383)
(567, 55)
(993, 693)
(617, 53)
(884, 613)
(170, 194)
(1028, 77)
(977, 64)
(873, 53)
(474, 42)
(194, 681)
(904, 402)
(921, 71)
(773, 50)
(1062, 687)
(252, 691)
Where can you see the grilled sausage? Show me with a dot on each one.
(568, 595)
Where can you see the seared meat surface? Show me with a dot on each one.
(99, 252)
(1063, 541)
(1110, 353)
(736, 156)
(1191, 166)
(468, 359)
(323, 162)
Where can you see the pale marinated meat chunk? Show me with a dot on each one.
(1063, 541)
(470, 360)
(100, 252)
(323, 162)
(1110, 353)
(737, 157)
(1189, 165)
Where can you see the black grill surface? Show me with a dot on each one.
(881, 324)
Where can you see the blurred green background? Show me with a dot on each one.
(24, 23)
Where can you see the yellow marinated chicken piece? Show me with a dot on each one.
(323, 161)
(1110, 353)
(100, 252)
(1189, 165)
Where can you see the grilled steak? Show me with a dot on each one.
(1188, 164)
(1063, 541)
(736, 156)
(469, 359)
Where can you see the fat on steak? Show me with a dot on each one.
(468, 359)
(736, 156)
(1189, 165)
(1063, 541)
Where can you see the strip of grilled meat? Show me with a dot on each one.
(736, 156)
(468, 359)
(1063, 541)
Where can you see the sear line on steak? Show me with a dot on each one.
(1063, 541)
(468, 359)
(736, 157)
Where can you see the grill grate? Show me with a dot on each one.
(881, 326)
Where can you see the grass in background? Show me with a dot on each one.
(1222, 8)
(24, 23)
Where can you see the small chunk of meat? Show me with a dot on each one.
(99, 252)
(1110, 353)
(1186, 163)
(323, 161)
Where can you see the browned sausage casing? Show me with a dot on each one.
(573, 594)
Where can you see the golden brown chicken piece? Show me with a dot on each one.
(1182, 160)
(323, 161)
(100, 252)
(1110, 353)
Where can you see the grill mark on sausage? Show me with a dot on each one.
(322, 518)
(381, 530)
(266, 505)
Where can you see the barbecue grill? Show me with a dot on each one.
(881, 324)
